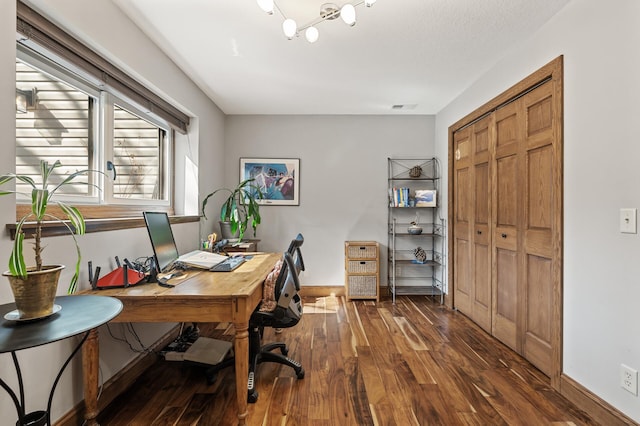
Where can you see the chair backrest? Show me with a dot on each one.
(289, 306)
(296, 253)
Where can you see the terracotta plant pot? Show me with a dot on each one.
(34, 296)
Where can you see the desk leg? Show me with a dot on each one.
(241, 348)
(90, 368)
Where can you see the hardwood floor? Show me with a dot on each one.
(366, 363)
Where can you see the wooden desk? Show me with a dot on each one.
(200, 297)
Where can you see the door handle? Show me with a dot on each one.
(479, 232)
(504, 235)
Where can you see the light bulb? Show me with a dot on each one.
(348, 14)
(266, 5)
(312, 34)
(369, 3)
(290, 28)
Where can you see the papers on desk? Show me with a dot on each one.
(201, 259)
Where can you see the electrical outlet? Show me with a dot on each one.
(629, 379)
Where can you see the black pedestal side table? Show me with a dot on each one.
(75, 315)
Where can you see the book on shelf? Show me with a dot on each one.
(399, 197)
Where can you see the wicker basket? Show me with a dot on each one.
(362, 252)
(362, 266)
(363, 286)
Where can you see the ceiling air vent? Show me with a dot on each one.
(404, 106)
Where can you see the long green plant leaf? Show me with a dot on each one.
(39, 201)
(17, 266)
(75, 217)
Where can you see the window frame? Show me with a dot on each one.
(47, 66)
(167, 157)
(104, 205)
(36, 33)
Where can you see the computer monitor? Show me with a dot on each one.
(161, 236)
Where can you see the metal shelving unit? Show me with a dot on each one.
(416, 265)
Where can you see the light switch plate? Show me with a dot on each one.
(628, 221)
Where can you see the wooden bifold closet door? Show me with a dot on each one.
(472, 248)
(507, 220)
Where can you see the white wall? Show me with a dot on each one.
(343, 179)
(97, 21)
(599, 41)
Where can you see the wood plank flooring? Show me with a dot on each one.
(366, 363)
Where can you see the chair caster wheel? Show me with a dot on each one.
(300, 374)
(252, 397)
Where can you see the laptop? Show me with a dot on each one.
(165, 250)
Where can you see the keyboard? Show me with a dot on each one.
(228, 264)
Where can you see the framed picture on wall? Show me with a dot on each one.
(277, 178)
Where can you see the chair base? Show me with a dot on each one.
(256, 357)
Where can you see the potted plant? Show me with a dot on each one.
(34, 287)
(240, 207)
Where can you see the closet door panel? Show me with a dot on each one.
(482, 286)
(505, 240)
(538, 235)
(463, 261)
(539, 191)
(506, 219)
(505, 310)
(463, 276)
(506, 187)
(537, 338)
(506, 131)
(481, 247)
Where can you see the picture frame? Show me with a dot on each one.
(277, 178)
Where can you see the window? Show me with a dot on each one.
(138, 156)
(68, 119)
(58, 122)
(80, 108)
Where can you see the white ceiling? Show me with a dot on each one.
(420, 52)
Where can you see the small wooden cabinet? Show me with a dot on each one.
(362, 269)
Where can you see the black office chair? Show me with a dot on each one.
(296, 253)
(287, 313)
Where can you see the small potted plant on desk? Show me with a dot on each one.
(34, 287)
(240, 207)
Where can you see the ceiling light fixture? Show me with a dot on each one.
(328, 12)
